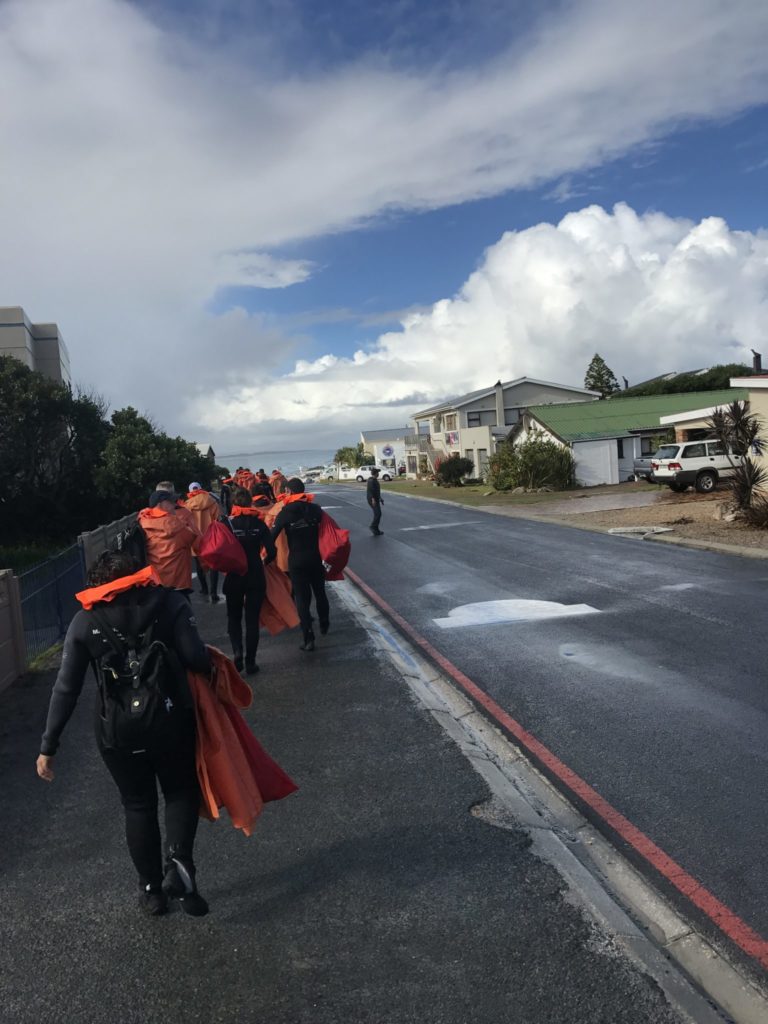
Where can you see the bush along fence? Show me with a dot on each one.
(37, 606)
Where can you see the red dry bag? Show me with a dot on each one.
(334, 547)
(221, 551)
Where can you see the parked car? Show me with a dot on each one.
(701, 464)
(642, 468)
(362, 473)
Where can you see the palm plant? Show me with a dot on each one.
(739, 432)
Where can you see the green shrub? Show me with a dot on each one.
(535, 462)
(450, 471)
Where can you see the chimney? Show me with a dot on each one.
(757, 362)
(499, 404)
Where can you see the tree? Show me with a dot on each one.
(716, 378)
(535, 462)
(353, 456)
(599, 377)
(137, 455)
(50, 443)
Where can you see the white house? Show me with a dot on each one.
(607, 436)
(386, 446)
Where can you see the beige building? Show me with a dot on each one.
(39, 346)
(472, 424)
(757, 396)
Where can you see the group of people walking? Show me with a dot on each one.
(137, 628)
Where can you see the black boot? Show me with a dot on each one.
(152, 900)
(179, 883)
(238, 660)
(309, 641)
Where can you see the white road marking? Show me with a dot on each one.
(679, 586)
(438, 526)
(486, 613)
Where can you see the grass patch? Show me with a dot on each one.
(478, 494)
(47, 659)
(23, 556)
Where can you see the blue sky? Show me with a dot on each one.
(367, 277)
(268, 221)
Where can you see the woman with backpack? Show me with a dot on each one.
(141, 639)
(245, 594)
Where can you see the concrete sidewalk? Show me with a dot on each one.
(372, 895)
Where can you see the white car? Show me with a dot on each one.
(362, 473)
(700, 464)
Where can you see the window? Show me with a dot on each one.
(450, 421)
(715, 448)
(648, 445)
(693, 451)
(620, 447)
(473, 419)
(668, 451)
(469, 453)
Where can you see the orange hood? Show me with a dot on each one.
(108, 591)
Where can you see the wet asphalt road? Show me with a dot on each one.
(371, 896)
(659, 701)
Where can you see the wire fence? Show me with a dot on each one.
(48, 599)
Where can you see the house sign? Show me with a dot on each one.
(388, 451)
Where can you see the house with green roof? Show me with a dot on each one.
(607, 436)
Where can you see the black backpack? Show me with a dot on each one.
(133, 541)
(139, 687)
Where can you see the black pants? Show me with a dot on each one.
(307, 582)
(202, 576)
(243, 598)
(376, 509)
(172, 764)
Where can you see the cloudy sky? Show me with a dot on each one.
(271, 223)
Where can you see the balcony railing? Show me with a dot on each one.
(420, 441)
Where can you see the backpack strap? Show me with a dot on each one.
(126, 651)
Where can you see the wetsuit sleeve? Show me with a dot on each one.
(268, 542)
(187, 642)
(75, 659)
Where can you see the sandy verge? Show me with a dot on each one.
(690, 515)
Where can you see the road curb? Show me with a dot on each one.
(650, 930)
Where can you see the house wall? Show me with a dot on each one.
(758, 404)
(478, 441)
(596, 462)
(393, 460)
(516, 399)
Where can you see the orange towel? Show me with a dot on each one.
(278, 612)
(226, 769)
(269, 516)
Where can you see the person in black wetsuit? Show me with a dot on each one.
(300, 519)
(373, 497)
(131, 609)
(246, 593)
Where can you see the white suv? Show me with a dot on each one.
(693, 463)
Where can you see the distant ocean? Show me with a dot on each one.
(287, 462)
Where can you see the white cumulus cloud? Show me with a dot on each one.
(136, 155)
(650, 293)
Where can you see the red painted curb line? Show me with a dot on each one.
(748, 940)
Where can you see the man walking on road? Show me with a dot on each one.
(373, 497)
(300, 518)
